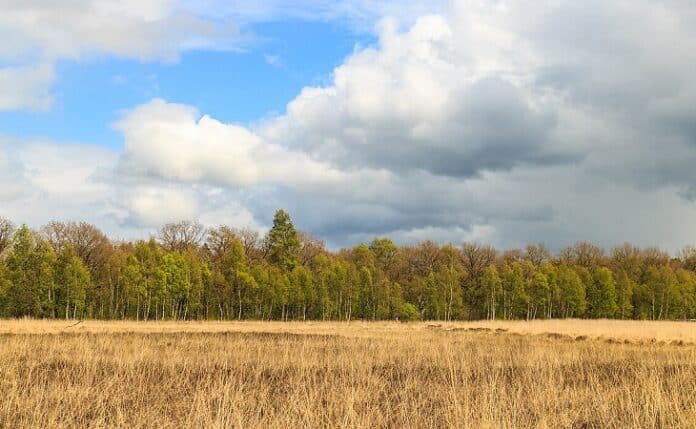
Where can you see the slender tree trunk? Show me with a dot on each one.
(239, 300)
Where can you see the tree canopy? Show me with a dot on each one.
(73, 270)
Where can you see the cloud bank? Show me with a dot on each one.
(493, 121)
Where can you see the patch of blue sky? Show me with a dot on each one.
(240, 86)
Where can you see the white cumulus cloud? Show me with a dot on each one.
(505, 122)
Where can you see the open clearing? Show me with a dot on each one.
(554, 374)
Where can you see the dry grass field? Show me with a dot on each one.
(545, 374)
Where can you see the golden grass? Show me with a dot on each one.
(313, 374)
(631, 330)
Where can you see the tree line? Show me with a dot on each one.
(187, 272)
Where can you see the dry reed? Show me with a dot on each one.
(268, 375)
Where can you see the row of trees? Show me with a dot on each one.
(72, 270)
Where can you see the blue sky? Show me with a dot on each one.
(463, 120)
(238, 86)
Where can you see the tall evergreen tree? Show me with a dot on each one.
(283, 242)
(30, 271)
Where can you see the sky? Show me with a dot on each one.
(501, 122)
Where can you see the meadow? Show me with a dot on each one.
(538, 374)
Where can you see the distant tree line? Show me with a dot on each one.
(72, 270)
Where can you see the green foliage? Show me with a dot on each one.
(4, 284)
(408, 312)
(301, 293)
(659, 291)
(571, 298)
(386, 254)
(30, 271)
(283, 242)
(538, 292)
(625, 287)
(601, 294)
(72, 282)
(492, 288)
(685, 299)
(514, 296)
(235, 276)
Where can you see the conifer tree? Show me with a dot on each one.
(30, 271)
(283, 242)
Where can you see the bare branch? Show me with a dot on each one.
(7, 228)
(181, 235)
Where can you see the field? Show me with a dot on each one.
(545, 374)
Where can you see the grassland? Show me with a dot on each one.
(546, 374)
